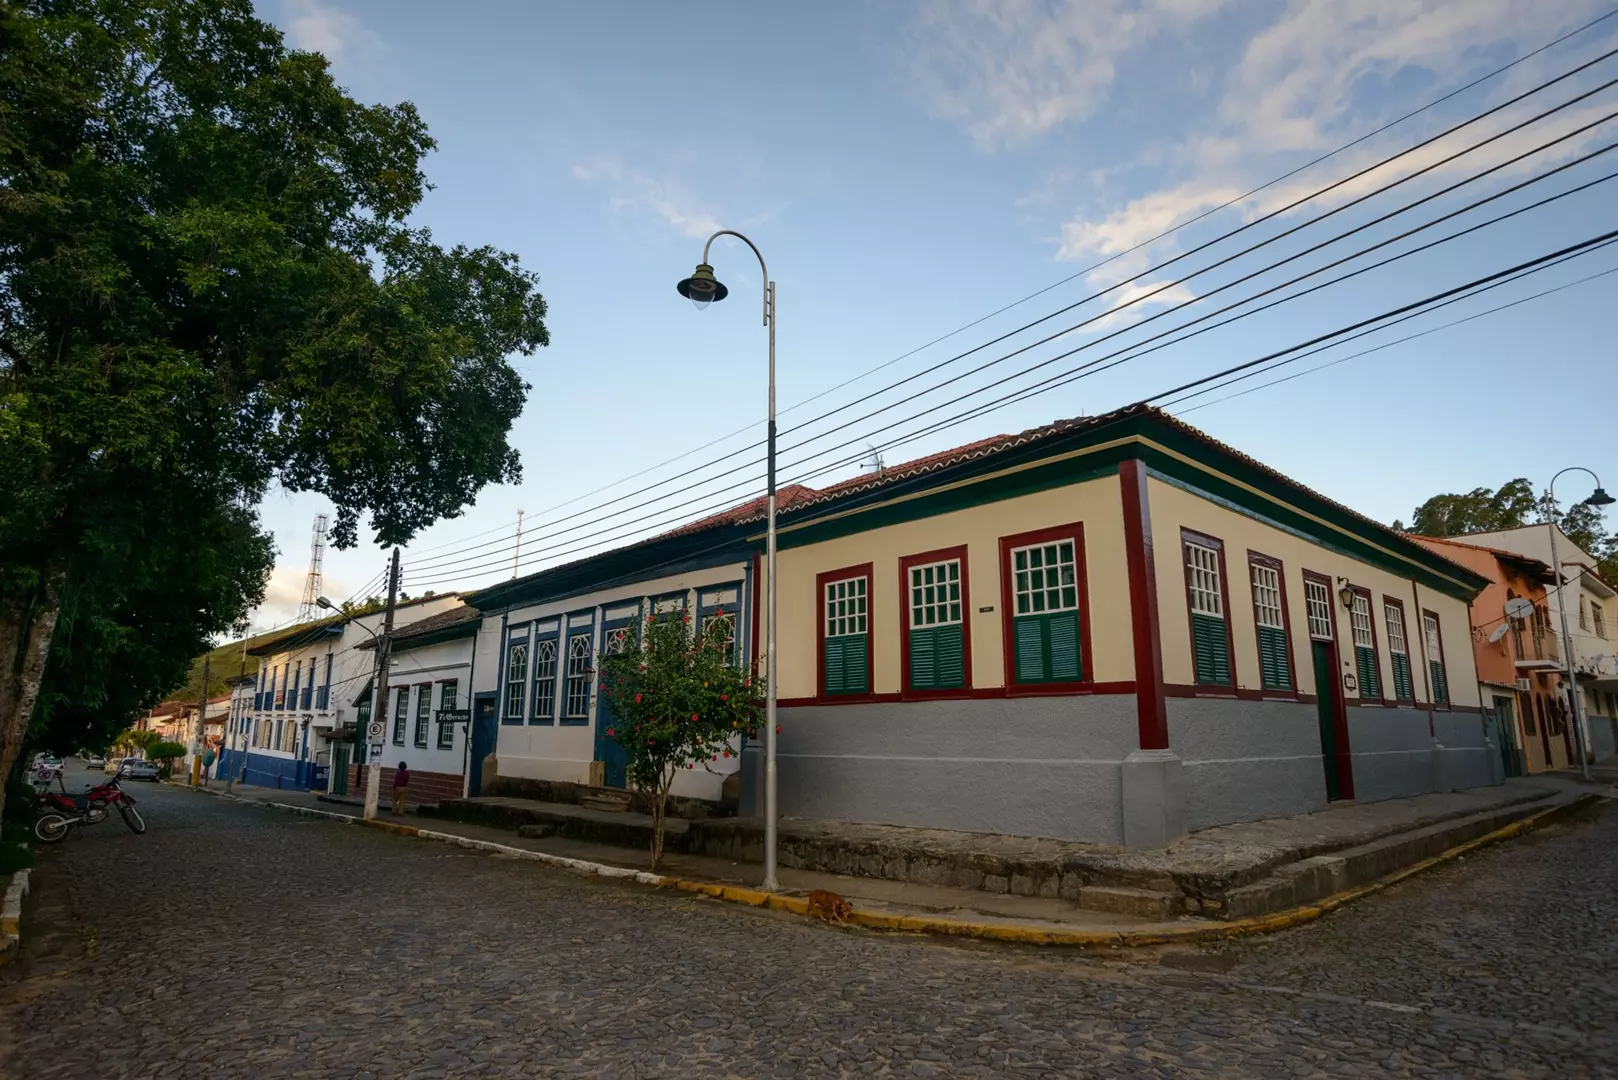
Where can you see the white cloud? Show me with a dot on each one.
(283, 596)
(318, 27)
(1300, 89)
(1007, 70)
(631, 191)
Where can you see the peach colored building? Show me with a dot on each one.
(1519, 666)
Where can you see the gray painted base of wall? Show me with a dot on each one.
(1246, 760)
(1153, 788)
(1603, 737)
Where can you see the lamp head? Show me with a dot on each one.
(702, 288)
(324, 604)
(1600, 498)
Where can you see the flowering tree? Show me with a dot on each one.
(680, 702)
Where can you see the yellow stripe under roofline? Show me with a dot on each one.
(1097, 448)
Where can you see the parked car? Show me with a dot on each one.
(113, 764)
(136, 769)
(47, 763)
(95, 761)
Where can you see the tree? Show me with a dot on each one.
(208, 283)
(166, 754)
(136, 741)
(679, 702)
(1480, 510)
(1586, 526)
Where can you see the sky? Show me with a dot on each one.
(915, 170)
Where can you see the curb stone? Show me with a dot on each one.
(11, 915)
(1192, 932)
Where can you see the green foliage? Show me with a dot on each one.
(165, 751)
(1480, 510)
(136, 741)
(208, 284)
(678, 703)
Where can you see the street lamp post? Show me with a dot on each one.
(1599, 498)
(702, 289)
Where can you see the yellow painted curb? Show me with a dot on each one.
(388, 826)
(1191, 933)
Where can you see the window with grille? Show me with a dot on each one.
(1045, 613)
(401, 714)
(577, 705)
(1274, 653)
(1598, 619)
(448, 702)
(1210, 638)
(1584, 619)
(424, 710)
(846, 648)
(937, 646)
(1365, 662)
(516, 680)
(1404, 687)
(1317, 601)
(1435, 658)
(545, 680)
(722, 623)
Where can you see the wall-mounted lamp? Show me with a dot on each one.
(1345, 593)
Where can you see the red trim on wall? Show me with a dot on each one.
(922, 559)
(1376, 649)
(821, 581)
(1151, 707)
(1339, 703)
(1404, 619)
(1286, 614)
(1192, 690)
(990, 693)
(1074, 532)
(1218, 545)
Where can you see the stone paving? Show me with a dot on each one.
(238, 941)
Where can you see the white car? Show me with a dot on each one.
(95, 761)
(47, 763)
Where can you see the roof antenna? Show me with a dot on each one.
(874, 463)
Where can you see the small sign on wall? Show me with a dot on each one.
(1350, 683)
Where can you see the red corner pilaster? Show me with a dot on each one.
(1151, 710)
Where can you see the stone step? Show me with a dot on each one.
(1155, 904)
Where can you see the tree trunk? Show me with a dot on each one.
(26, 627)
(660, 802)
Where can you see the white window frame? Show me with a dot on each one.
(541, 664)
(1393, 617)
(1267, 611)
(1435, 645)
(578, 670)
(847, 611)
(1359, 620)
(1317, 605)
(1066, 569)
(924, 613)
(1202, 580)
(516, 679)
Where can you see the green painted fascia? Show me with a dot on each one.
(469, 628)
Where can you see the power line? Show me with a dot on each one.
(1137, 348)
(1469, 288)
(1257, 221)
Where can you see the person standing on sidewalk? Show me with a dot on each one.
(401, 781)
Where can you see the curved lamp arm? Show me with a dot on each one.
(761, 265)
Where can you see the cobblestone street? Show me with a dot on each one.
(237, 941)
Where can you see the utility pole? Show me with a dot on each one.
(202, 719)
(516, 551)
(235, 721)
(379, 698)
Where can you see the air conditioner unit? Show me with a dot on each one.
(1524, 685)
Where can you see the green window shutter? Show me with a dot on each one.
(846, 664)
(1401, 677)
(1275, 667)
(937, 658)
(1212, 650)
(1370, 676)
(1032, 666)
(1047, 648)
(1440, 686)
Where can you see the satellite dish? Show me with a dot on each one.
(1499, 632)
(1519, 608)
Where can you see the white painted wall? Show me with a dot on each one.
(429, 668)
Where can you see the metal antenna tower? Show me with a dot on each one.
(311, 584)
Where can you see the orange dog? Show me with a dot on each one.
(830, 906)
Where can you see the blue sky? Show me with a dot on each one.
(911, 166)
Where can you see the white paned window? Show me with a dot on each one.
(935, 594)
(1317, 598)
(1267, 596)
(1202, 574)
(612, 641)
(1395, 618)
(516, 679)
(1360, 617)
(846, 607)
(727, 632)
(1434, 648)
(578, 677)
(1598, 618)
(545, 679)
(1045, 578)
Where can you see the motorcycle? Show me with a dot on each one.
(61, 811)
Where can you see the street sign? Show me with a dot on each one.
(454, 716)
(375, 729)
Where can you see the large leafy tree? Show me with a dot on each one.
(1479, 510)
(209, 284)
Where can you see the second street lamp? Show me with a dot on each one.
(1599, 499)
(702, 289)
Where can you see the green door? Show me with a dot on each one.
(1326, 703)
(339, 768)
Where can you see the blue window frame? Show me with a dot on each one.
(579, 658)
(517, 670)
(547, 645)
(722, 602)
